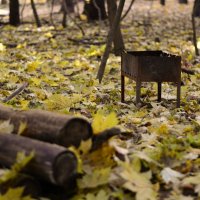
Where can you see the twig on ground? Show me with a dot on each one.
(187, 71)
(15, 93)
(104, 136)
(85, 41)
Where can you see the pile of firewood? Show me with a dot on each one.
(48, 135)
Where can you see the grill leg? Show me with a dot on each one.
(159, 91)
(122, 88)
(178, 94)
(138, 86)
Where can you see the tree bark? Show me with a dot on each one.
(128, 10)
(183, 1)
(4, 2)
(162, 2)
(37, 19)
(110, 39)
(48, 126)
(195, 13)
(69, 4)
(118, 39)
(196, 9)
(52, 163)
(194, 36)
(92, 12)
(14, 16)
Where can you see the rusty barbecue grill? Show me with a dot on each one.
(150, 66)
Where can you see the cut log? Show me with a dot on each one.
(52, 162)
(49, 126)
(98, 140)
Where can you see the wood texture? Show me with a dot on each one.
(49, 126)
(52, 163)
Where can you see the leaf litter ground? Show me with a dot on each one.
(158, 156)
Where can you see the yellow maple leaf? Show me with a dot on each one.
(2, 47)
(79, 159)
(21, 46)
(32, 66)
(102, 122)
(15, 193)
(85, 146)
(36, 81)
(6, 127)
(22, 127)
(83, 17)
(24, 104)
(48, 35)
(163, 129)
(57, 102)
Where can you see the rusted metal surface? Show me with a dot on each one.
(150, 66)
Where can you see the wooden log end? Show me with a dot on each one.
(74, 131)
(65, 169)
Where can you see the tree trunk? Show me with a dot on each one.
(94, 8)
(48, 126)
(196, 9)
(162, 2)
(69, 4)
(37, 19)
(14, 17)
(52, 163)
(110, 39)
(4, 2)
(183, 1)
(118, 40)
(195, 13)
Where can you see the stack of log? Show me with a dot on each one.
(49, 126)
(48, 134)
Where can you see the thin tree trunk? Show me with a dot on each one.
(14, 17)
(162, 2)
(128, 10)
(196, 8)
(37, 19)
(4, 2)
(91, 10)
(195, 13)
(194, 36)
(65, 11)
(110, 39)
(183, 1)
(118, 40)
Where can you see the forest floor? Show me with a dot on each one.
(158, 156)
